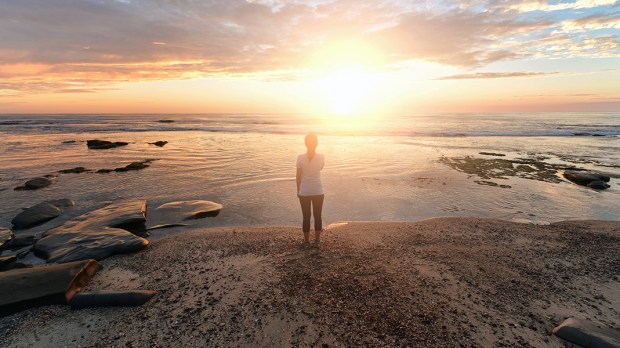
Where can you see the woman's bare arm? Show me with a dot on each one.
(298, 179)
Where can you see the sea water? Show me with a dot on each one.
(386, 168)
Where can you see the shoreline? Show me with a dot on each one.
(441, 281)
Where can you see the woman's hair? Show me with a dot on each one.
(311, 140)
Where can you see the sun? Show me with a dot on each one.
(347, 91)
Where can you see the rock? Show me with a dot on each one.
(69, 142)
(6, 236)
(40, 213)
(165, 121)
(133, 166)
(44, 285)
(492, 154)
(104, 144)
(585, 178)
(587, 334)
(23, 238)
(6, 262)
(111, 299)
(75, 170)
(159, 143)
(97, 234)
(173, 212)
(35, 183)
(598, 185)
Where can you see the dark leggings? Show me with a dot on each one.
(317, 207)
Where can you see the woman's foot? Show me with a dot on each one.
(304, 246)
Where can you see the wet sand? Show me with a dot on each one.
(439, 282)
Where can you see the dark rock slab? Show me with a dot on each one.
(165, 121)
(593, 180)
(587, 334)
(76, 170)
(34, 184)
(6, 236)
(97, 234)
(159, 143)
(492, 154)
(111, 299)
(40, 213)
(104, 144)
(44, 285)
(23, 238)
(174, 212)
(132, 166)
(69, 142)
(7, 261)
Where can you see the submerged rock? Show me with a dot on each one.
(159, 143)
(492, 154)
(104, 144)
(592, 180)
(6, 261)
(6, 236)
(34, 184)
(165, 121)
(40, 213)
(130, 298)
(97, 234)
(172, 213)
(76, 170)
(69, 142)
(587, 334)
(132, 166)
(44, 285)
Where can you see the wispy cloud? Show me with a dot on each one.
(496, 75)
(49, 44)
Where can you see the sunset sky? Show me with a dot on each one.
(322, 56)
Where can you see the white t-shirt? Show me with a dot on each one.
(310, 174)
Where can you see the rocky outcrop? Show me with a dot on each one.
(34, 184)
(40, 213)
(6, 236)
(111, 299)
(132, 166)
(165, 121)
(97, 234)
(104, 144)
(174, 212)
(592, 180)
(587, 334)
(76, 170)
(43, 285)
(159, 143)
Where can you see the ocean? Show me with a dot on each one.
(386, 168)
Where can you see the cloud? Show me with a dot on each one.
(496, 75)
(49, 44)
(594, 22)
(544, 5)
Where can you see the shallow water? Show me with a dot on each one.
(380, 170)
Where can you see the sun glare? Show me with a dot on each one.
(347, 91)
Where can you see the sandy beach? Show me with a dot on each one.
(439, 282)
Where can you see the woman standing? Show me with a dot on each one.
(310, 188)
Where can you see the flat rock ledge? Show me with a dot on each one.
(35, 184)
(43, 285)
(174, 213)
(97, 234)
(40, 213)
(587, 334)
(104, 144)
